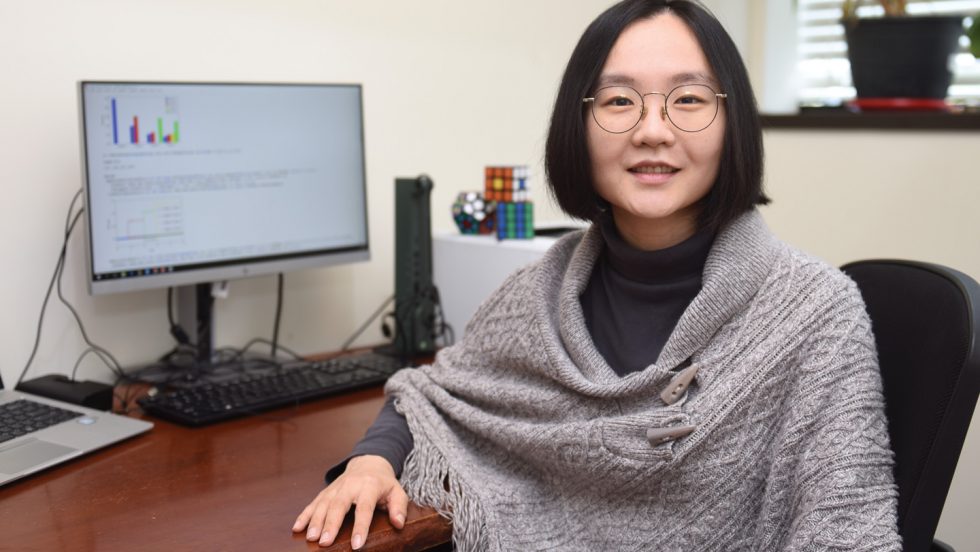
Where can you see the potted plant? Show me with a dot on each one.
(900, 60)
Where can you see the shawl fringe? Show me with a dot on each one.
(430, 481)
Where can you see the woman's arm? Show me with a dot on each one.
(387, 437)
(838, 450)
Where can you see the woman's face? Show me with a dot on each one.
(654, 175)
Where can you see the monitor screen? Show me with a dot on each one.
(198, 182)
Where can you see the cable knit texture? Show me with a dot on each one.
(528, 440)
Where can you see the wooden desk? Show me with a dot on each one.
(236, 485)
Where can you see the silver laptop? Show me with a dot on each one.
(74, 431)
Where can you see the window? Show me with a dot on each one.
(824, 72)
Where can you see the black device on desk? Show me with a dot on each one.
(266, 386)
(61, 388)
(416, 297)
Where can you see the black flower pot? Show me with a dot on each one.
(902, 57)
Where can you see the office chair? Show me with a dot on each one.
(926, 323)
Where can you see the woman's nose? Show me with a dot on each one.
(654, 127)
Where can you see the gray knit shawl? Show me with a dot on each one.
(530, 441)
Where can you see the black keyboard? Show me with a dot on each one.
(285, 385)
(21, 417)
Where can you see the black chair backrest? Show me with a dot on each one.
(926, 323)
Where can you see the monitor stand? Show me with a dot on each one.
(195, 314)
(194, 361)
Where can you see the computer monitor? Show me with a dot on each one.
(193, 183)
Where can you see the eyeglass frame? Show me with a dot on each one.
(663, 110)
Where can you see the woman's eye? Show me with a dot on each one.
(620, 101)
(689, 100)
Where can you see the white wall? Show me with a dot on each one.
(449, 88)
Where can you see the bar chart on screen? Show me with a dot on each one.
(143, 119)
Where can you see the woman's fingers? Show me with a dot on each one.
(397, 505)
(311, 518)
(363, 512)
(303, 519)
(316, 529)
(364, 497)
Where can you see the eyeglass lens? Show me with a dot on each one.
(690, 107)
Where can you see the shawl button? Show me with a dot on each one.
(660, 435)
(679, 384)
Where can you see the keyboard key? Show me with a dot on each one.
(23, 416)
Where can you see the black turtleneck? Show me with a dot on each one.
(631, 305)
(634, 298)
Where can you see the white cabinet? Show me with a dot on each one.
(467, 269)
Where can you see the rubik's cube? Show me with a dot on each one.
(473, 214)
(508, 186)
(515, 220)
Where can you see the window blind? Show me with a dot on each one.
(824, 72)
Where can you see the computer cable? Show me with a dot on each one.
(71, 207)
(184, 340)
(275, 326)
(441, 330)
(70, 223)
(103, 354)
(274, 346)
(183, 355)
(240, 353)
(47, 295)
(180, 356)
(176, 330)
(444, 330)
(360, 330)
(87, 351)
(397, 324)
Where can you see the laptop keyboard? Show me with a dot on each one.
(22, 416)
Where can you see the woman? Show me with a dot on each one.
(674, 377)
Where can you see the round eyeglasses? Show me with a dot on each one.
(689, 107)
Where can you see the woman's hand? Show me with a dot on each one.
(368, 481)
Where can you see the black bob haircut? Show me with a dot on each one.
(568, 166)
